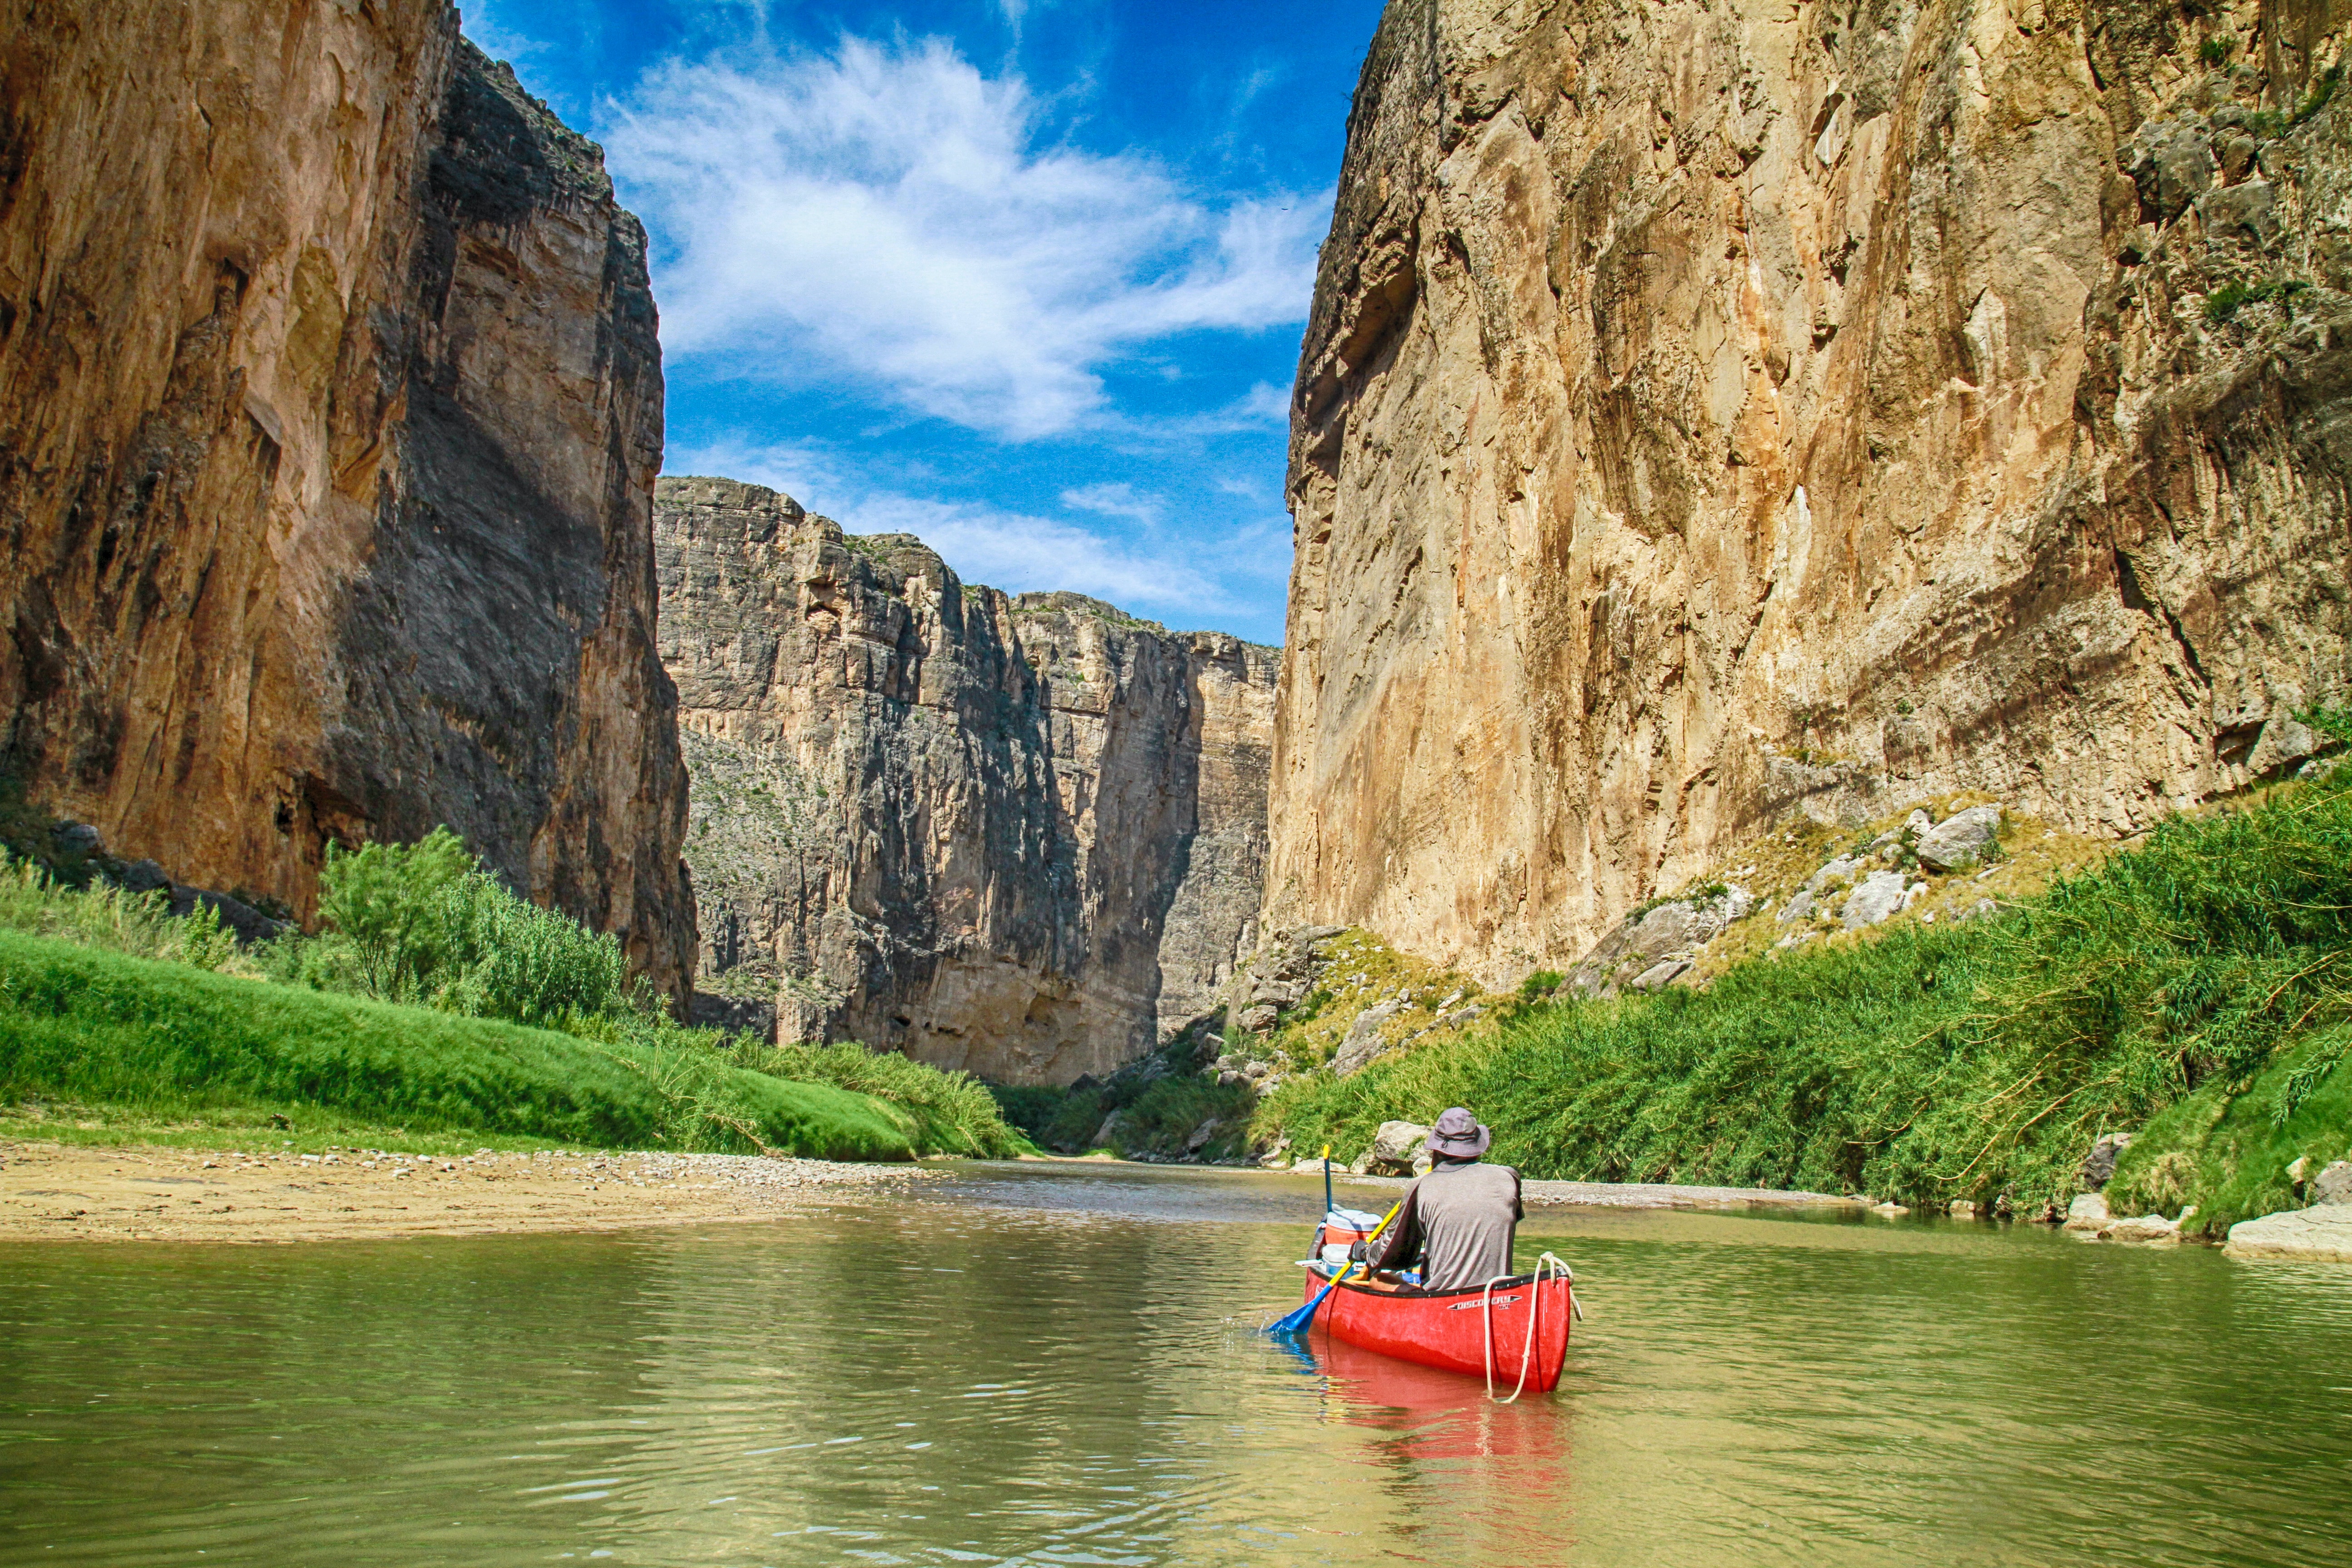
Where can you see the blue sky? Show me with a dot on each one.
(1023, 277)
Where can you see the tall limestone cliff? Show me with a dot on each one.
(1713, 409)
(330, 407)
(1023, 836)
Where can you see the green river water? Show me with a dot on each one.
(1058, 1365)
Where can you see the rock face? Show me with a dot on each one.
(330, 407)
(1714, 411)
(1019, 835)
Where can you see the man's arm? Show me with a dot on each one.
(1403, 1243)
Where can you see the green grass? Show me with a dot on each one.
(2231, 1151)
(1975, 1060)
(166, 1041)
(952, 1112)
(423, 929)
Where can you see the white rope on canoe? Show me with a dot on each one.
(1548, 1266)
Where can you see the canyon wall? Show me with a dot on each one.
(1023, 836)
(330, 407)
(1712, 411)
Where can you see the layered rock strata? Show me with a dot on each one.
(1711, 412)
(1022, 836)
(330, 407)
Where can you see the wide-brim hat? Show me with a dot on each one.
(1458, 1136)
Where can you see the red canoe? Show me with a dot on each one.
(1519, 1326)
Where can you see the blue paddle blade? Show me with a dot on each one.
(1295, 1322)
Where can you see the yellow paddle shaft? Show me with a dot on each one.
(1376, 1235)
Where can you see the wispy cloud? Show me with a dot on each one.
(498, 41)
(1209, 573)
(1020, 553)
(892, 214)
(1114, 500)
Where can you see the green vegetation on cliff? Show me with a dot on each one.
(2202, 979)
(433, 999)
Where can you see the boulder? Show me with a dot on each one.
(1841, 869)
(733, 1013)
(1260, 1018)
(2088, 1212)
(2333, 1185)
(2319, 1235)
(1364, 1040)
(75, 839)
(1660, 975)
(1801, 908)
(2099, 1164)
(1200, 1135)
(1398, 1149)
(1961, 840)
(2147, 1229)
(1676, 929)
(1878, 896)
(241, 920)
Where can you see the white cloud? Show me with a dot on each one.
(1113, 501)
(498, 42)
(1021, 554)
(1266, 402)
(1013, 551)
(900, 217)
(800, 472)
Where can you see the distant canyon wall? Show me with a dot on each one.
(1711, 411)
(1020, 836)
(330, 407)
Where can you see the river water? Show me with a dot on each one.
(1058, 1365)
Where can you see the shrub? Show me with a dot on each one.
(426, 922)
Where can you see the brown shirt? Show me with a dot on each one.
(1461, 1219)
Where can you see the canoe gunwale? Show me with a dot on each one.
(1432, 1329)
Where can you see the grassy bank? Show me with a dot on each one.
(2199, 986)
(164, 1041)
(433, 1002)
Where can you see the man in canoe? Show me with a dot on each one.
(1461, 1218)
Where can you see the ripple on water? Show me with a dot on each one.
(1061, 1368)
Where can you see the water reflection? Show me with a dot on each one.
(1061, 1366)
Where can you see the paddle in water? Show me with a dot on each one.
(1297, 1322)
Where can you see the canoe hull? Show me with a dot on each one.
(1450, 1332)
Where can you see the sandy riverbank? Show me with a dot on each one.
(52, 1192)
